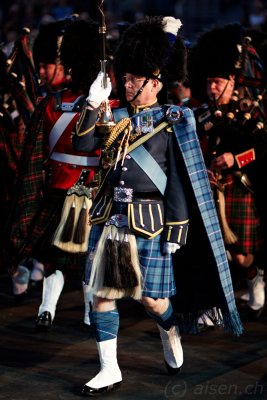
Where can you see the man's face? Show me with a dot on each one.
(220, 89)
(133, 83)
(50, 74)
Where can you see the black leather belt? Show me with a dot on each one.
(146, 196)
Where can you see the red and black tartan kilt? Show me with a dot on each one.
(242, 216)
(39, 243)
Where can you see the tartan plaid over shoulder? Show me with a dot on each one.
(219, 275)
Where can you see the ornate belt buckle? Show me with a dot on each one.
(124, 195)
(174, 115)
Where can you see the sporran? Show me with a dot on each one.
(72, 233)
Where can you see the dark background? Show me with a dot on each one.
(196, 15)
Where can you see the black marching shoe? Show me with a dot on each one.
(20, 298)
(92, 392)
(43, 322)
(171, 370)
(251, 315)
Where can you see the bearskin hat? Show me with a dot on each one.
(80, 52)
(216, 53)
(145, 50)
(47, 43)
(219, 50)
(225, 51)
(148, 48)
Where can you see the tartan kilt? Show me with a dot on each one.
(156, 268)
(39, 242)
(242, 217)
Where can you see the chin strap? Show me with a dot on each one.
(225, 87)
(140, 90)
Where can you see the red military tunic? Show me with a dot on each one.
(63, 169)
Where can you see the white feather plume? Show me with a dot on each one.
(171, 25)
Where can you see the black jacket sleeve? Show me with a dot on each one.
(85, 136)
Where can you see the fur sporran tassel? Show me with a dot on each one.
(112, 277)
(72, 232)
(79, 235)
(127, 272)
(67, 231)
(228, 235)
(100, 267)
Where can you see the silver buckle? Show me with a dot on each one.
(123, 195)
(174, 115)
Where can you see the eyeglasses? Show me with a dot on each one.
(133, 80)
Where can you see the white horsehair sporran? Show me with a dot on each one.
(72, 233)
(115, 269)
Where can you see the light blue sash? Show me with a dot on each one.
(152, 169)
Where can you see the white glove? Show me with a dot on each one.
(171, 25)
(169, 248)
(97, 92)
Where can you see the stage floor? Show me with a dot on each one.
(54, 365)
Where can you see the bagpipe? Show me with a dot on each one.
(248, 104)
(22, 78)
(249, 101)
(246, 111)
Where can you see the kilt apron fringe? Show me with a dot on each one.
(227, 319)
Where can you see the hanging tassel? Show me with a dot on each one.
(126, 144)
(67, 231)
(79, 235)
(112, 276)
(228, 235)
(127, 272)
(99, 266)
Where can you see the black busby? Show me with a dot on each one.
(47, 43)
(147, 49)
(216, 53)
(80, 52)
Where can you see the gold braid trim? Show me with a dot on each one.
(118, 128)
(85, 132)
